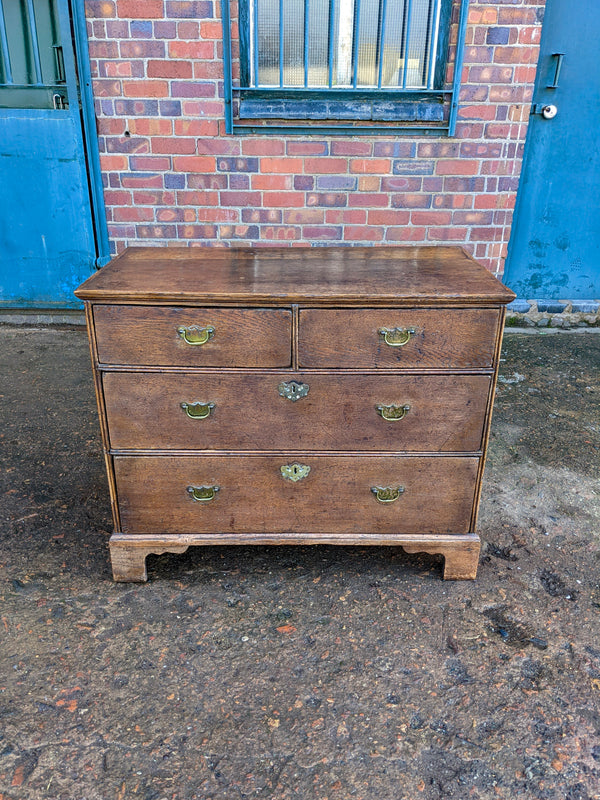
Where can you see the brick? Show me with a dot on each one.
(497, 35)
(151, 127)
(197, 127)
(109, 163)
(401, 184)
(262, 215)
(369, 183)
(348, 148)
(405, 233)
(174, 181)
(139, 29)
(272, 182)
(530, 35)
(146, 180)
(203, 198)
(510, 94)
(282, 165)
(117, 29)
(173, 144)
(438, 149)
(208, 69)
(490, 74)
(327, 233)
(193, 89)
(432, 183)
(192, 9)
(127, 144)
(218, 147)
(191, 50)
(362, 233)
(211, 30)
(457, 166)
(140, 9)
(463, 184)
(238, 180)
(188, 30)
(121, 69)
(407, 200)
(164, 30)
(194, 164)
(337, 182)
(218, 214)
(300, 216)
(239, 231)
(169, 108)
(452, 234)
(304, 183)
(133, 214)
(117, 197)
(412, 167)
(346, 216)
(252, 199)
(103, 49)
(237, 164)
(145, 89)
(145, 163)
(196, 232)
(104, 88)
(325, 166)
(486, 234)
(169, 69)
(518, 16)
(479, 55)
(483, 16)
(427, 218)
(193, 108)
(372, 165)
(280, 233)
(155, 198)
(516, 55)
(307, 148)
(207, 181)
(385, 217)
(452, 201)
(100, 8)
(137, 49)
(485, 111)
(263, 147)
(155, 231)
(326, 199)
(368, 200)
(283, 199)
(395, 149)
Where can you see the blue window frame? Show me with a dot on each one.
(343, 66)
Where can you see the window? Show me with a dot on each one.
(342, 65)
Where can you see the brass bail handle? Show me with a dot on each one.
(197, 410)
(393, 413)
(203, 494)
(387, 494)
(196, 335)
(396, 337)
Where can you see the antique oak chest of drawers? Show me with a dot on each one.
(294, 395)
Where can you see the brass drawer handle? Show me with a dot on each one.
(198, 410)
(293, 390)
(194, 334)
(387, 494)
(396, 337)
(393, 413)
(295, 472)
(203, 494)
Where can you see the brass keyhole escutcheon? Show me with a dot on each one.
(198, 410)
(294, 472)
(393, 413)
(293, 390)
(396, 337)
(196, 335)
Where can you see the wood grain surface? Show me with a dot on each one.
(335, 496)
(339, 413)
(360, 275)
(444, 338)
(244, 337)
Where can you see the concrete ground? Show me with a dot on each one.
(318, 673)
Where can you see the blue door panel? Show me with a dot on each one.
(46, 236)
(555, 239)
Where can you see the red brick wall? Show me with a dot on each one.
(173, 177)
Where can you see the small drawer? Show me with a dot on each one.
(320, 494)
(249, 411)
(193, 337)
(387, 338)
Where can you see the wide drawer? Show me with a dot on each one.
(193, 337)
(163, 494)
(397, 337)
(247, 411)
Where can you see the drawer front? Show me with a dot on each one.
(397, 337)
(193, 337)
(246, 411)
(163, 494)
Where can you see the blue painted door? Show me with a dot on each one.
(555, 240)
(47, 237)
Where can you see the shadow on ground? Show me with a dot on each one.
(292, 672)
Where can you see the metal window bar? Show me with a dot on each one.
(35, 48)
(429, 56)
(6, 66)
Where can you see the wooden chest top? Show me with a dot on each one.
(315, 276)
